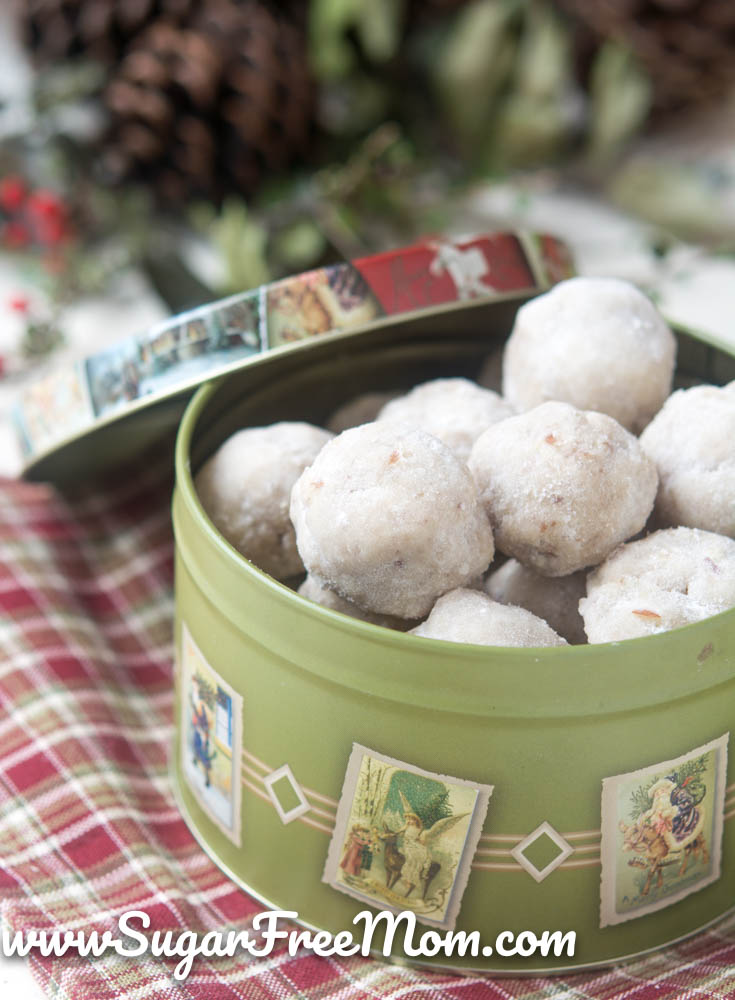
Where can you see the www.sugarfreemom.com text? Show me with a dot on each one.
(130, 941)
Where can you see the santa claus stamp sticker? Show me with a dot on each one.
(404, 837)
(662, 832)
(211, 722)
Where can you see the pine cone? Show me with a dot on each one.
(687, 46)
(212, 106)
(55, 30)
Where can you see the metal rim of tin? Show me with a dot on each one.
(560, 681)
(140, 384)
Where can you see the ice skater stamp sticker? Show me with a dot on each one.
(211, 720)
(662, 832)
(404, 837)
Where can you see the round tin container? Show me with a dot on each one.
(589, 760)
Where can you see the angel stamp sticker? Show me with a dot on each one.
(404, 837)
(211, 714)
(662, 832)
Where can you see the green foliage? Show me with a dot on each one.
(369, 200)
(436, 808)
(414, 101)
(543, 61)
(537, 116)
(620, 99)
(475, 65)
(60, 85)
(300, 245)
(380, 25)
(241, 240)
(690, 769)
(504, 81)
(40, 338)
(377, 25)
(429, 799)
(691, 772)
(640, 801)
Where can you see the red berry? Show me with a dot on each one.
(15, 235)
(43, 204)
(20, 304)
(51, 231)
(12, 193)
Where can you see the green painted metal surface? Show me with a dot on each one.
(543, 726)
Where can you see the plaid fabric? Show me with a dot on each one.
(88, 825)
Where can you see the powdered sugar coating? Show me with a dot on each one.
(455, 410)
(554, 599)
(245, 488)
(692, 442)
(597, 343)
(314, 590)
(389, 518)
(562, 487)
(670, 578)
(470, 616)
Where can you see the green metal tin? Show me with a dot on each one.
(545, 727)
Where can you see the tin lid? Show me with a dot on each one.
(78, 420)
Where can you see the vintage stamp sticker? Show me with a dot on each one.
(211, 738)
(54, 406)
(404, 837)
(197, 345)
(662, 832)
(319, 302)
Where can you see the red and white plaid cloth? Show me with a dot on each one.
(88, 825)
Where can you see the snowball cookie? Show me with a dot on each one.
(245, 489)
(692, 442)
(390, 519)
(360, 410)
(455, 410)
(597, 343)
(562, 487)
(555, 599)
(470, 616)
(670, 578)
(314, 590)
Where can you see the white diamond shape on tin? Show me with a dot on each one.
(565, 849)
(298, 810)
